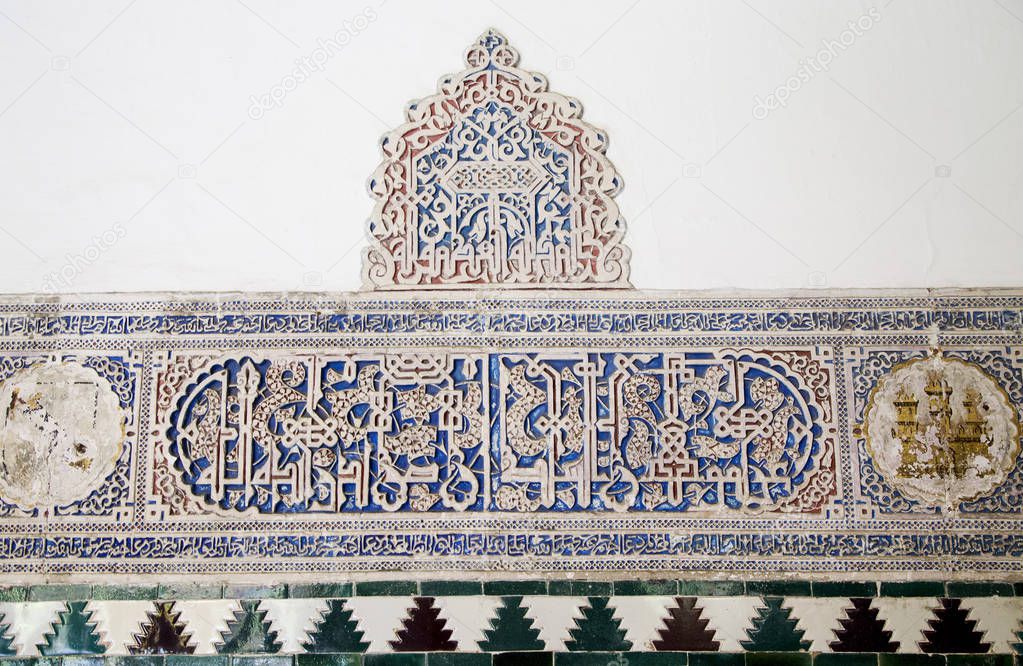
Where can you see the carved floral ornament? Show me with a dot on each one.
(495, 180)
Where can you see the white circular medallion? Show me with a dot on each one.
(941, 430)
(61, 433)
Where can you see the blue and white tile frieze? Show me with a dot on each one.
(700, 434)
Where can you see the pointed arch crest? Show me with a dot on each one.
(495, 181)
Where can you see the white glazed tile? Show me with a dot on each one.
(206, 620)
(119, 621)
(818, 618)
(467, 617)
(641, 617)
(293, 620)
(555, 615)
(999, 618)
(730, 617)
(380, 618)
(906, 618)
(29, 621)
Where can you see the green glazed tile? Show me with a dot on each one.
(596, 628)
(633, 588)
(778, 588)
(387, 588)
(922, 588)
(579, 588)
(176, 591)
(711, 588)
(844, 589)
(261, 660)
(979, 589)
(911, 659)
(450, 588)
(514, 588)
(652, 659)
(457, 659)
(524, 659)
(846, 659)
(509, 629)
(60, 593)
(72, 632)
(82, 660)
(339, 659)
(124, 592)
(195, 660)
(773, 629)
(778, 659)
(320, 590)
(978, 659)
(14, 593)
(716, 659)
(397, 659)
(603, 658)
(135, 660)
(255, 591)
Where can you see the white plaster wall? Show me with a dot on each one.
(129, 159)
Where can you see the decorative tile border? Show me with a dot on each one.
(520, 621)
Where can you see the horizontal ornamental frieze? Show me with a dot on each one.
(554, 431)
(467, 321)
(210, 451)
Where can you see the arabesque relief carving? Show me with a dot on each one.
(495, 181)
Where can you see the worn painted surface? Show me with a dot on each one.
(61, 433)
(942, 430)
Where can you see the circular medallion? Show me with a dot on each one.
(941, 430)
(61, 433)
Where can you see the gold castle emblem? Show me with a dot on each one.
(938, 440)
(941, 430)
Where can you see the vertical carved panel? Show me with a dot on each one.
(495, 180)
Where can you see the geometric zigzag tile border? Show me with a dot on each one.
(501, 621)
(540, 432)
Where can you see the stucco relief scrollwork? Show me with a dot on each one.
(495, 180)
(702, 430)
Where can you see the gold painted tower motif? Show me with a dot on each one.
(938, 442)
